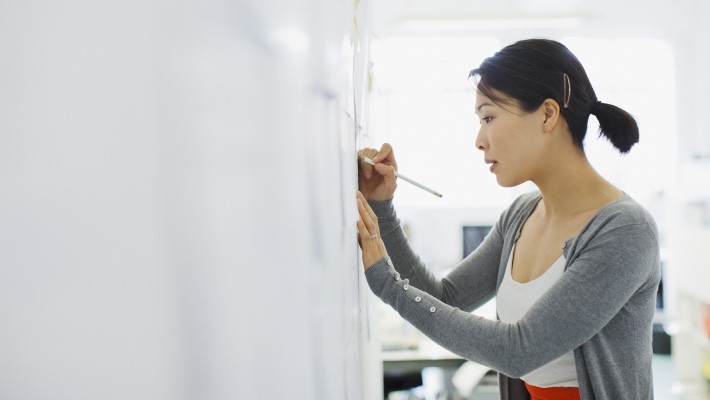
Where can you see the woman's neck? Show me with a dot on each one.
(573, 187)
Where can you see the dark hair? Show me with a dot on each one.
(533, 70)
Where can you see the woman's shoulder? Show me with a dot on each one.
(623, 226)
(625, 211)
(624, 219)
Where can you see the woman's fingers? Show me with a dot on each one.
(386, 165)
(369, 239)
(381, 183)
(365, 167)
(370, 223)
(370, 213)
(364, 237)
(385, 155)
(387, 172)
(387, 183)
(361, 232)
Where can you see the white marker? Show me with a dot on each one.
(398, 175)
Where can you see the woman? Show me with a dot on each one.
(574, 266)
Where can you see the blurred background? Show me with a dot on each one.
(645, 57)
(177, 186)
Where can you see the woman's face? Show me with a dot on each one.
(510, 139)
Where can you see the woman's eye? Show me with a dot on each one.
(486, 119)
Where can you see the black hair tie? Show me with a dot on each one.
(595, 107)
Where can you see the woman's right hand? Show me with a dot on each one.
(377, 183)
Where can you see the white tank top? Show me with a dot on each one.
(513, 301)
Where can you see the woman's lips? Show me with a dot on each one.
(494, 164)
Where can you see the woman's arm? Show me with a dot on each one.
(379, 233)
(613, 266)
(468, 286)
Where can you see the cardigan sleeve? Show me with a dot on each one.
(607, 270)
(469, 285)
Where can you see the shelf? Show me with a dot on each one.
(694, 391)
(703, 342)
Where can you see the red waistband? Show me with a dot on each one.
(553, 393)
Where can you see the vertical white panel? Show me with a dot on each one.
(177, 214)
(86, 290)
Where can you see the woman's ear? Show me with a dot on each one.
(552, 114)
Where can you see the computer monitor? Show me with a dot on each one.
(473, 236)
(659, 293)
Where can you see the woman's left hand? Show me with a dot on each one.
(368, 236)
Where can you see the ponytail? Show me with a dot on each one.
(533, 70)
(619, 127)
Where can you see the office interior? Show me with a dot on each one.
(178, 210)
(637, 55)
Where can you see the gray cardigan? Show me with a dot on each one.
(602, 307)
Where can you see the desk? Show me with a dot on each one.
(416, 360)
(429, 354)
(477, 382)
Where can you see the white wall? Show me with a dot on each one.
(86, 291)
(177, 211)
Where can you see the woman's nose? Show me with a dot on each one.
(480, 141)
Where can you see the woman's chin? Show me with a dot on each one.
(507, 182)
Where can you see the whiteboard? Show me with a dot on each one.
(178, 215)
